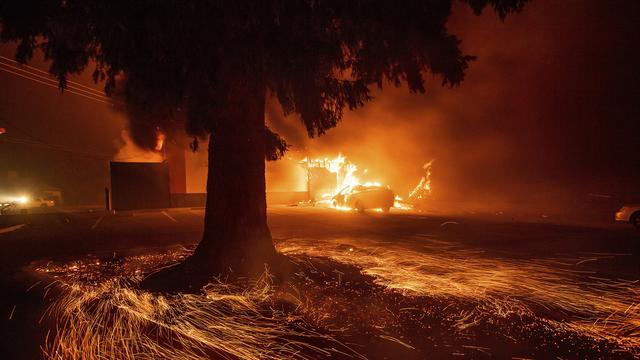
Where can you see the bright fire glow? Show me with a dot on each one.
(347, 175)
(423, 189)
(400, 203)
(130, 152)
(345, 172)
(160, 137)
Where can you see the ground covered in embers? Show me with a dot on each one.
(347, 300)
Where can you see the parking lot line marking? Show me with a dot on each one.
(11, 228)
(96, 223)
(169, 216)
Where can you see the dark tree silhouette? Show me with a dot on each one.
(210, 64)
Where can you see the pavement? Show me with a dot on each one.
(609, 252)
(64, 234)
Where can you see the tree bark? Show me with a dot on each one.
(236, 238)
(236, 234)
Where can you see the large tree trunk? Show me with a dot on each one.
(236, 234)
(236, 239)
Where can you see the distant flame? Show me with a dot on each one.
(423, 189)
(128, 151)
(160, 136)
(346, 176)
(345, 172)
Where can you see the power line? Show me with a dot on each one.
(53, 86)
(12, 140)
(44, 78)
(46, 73)
(52, 80)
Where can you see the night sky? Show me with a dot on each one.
(547, 113)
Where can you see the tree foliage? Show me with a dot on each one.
(173, 60)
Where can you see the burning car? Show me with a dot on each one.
(364, 196)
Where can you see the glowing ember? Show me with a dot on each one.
(116, 321)
(100, 316)
(439, 299)
(573, 299)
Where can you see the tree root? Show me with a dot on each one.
(196, 271)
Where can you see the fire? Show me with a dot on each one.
(400, 203)
(346, 175)
(344, 170)
(423, 189)
(128, 151)
(160, 137)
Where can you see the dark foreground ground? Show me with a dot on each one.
(401, 285)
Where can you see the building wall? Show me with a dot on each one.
(139, 185)
(196, 170)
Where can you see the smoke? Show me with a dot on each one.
(543, 119)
